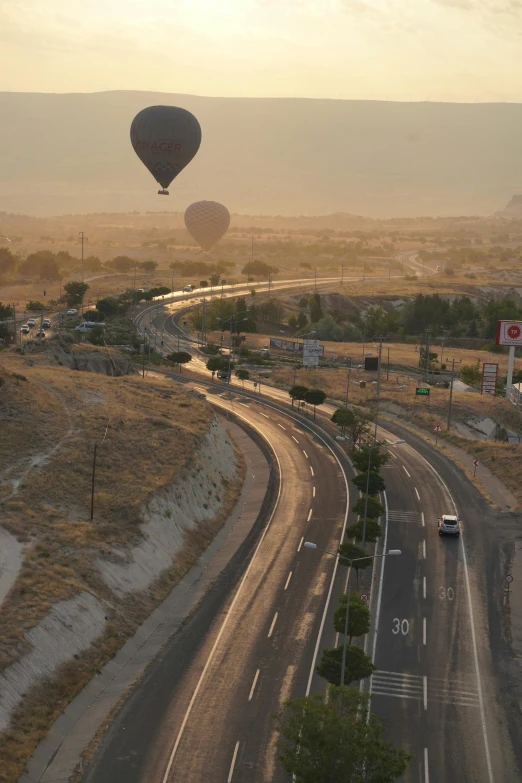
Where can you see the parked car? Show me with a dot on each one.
(449, 525)
(188, 288)
(46, 323)
(40, 333)
(24, 329)
(86, 326)
(72, 311)
(31, 322)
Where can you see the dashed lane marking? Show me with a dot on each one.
(272, 626)
(306, 455)
(300, 544)
(252, 689)
(309, 515)
(229, 779)
(406, 471)
(280, 425)
(313, 492)
(312, 471)
(293, 436)
(417, 493)
(288, 580)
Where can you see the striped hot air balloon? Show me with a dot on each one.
(207, 222)
(165, 139)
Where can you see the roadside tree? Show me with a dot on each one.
(358, 616)
(358, 665)
(297, 392)
(315, 397)
(179, 358)
(375, 482)
(325, 741)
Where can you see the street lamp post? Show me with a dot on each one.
(234, 319)
(311, 545)
(370, 449)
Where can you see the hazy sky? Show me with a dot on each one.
(456, 50)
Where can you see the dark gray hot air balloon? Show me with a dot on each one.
(165, 139)
(207, 222)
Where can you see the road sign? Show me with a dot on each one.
(509, 332)
(489, 378)
(422, 391)
(364, 597)
(508, 578)
(475, 462)
(437, 428)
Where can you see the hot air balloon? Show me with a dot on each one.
(165, 139)
(207, 222)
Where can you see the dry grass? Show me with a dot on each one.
(154, 430)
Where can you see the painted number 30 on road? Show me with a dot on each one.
(400, 626)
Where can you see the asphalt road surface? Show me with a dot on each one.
(432, 638)
(204, 711)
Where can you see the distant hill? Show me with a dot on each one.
(71, 153)
(512, 210)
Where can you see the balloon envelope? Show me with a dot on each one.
(165, 139)
(207, 222)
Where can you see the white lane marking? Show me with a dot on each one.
(300, 544)
(424, 630)
(293, 436)
(233, 763)
(228, 615)
(306, 455)
(312, 471)
(334, 572)
(264, 414)
(392, 454)
(309, 515)
(252, 689)
(244, 404)
(417, 493)
(426, 770)
(424, 548)
(272, 626)
(424, 587)
(280, 425)
(313, 492)
(422, 518)
(288, 580)
(473, 634)
(406, 471)
(425, 692)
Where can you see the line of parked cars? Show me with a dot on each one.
(31, 323)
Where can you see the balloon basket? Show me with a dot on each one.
(163, 192)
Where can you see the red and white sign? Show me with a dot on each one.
(509, 332)
(475, 462)
(508, 578)
(489, 378)
(437, 428)
(364, 597)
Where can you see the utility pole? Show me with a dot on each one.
(349, 362)
(315, 279)
(203, 319)
(378, 389)
(81, 234)
(451, 394)
(13, 306)
(172, 282)
(342, 274)
(252, 249)
(427, 339)
(388, 366)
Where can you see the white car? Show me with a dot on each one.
(24, 329)
(449, 525)
(72, 311)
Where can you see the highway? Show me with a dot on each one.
(207, 704)
(204, 712)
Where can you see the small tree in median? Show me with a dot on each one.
(315, 397)
(354, 556)
(325, 741)
(358, 665)
(373, 529)
(370, 454)
(375, 482)
(374, 509)
(358, 616)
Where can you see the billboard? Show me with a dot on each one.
(285, 345)
(489, 378)
(509, 332)
(312, 350)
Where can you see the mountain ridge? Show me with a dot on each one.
(66, 153)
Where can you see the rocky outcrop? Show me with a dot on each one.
(512, 210)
